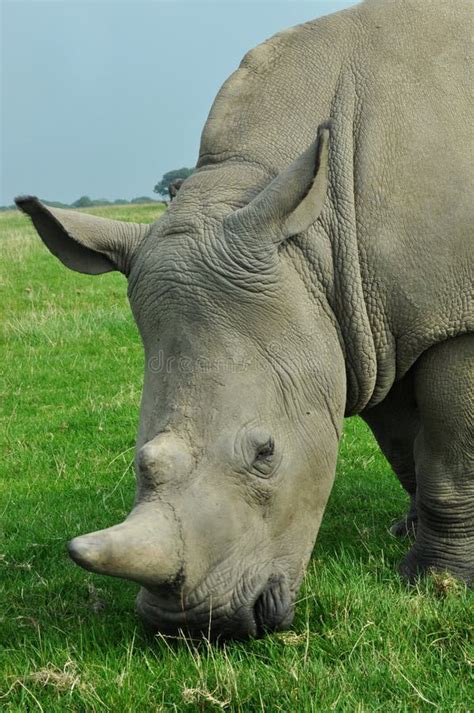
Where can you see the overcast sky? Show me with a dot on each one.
(101, 97)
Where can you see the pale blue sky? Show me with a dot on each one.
(101, 97)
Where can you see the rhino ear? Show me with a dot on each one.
(293, 200)
(83, 242)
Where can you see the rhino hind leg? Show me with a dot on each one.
(444, 457)
(395, 424)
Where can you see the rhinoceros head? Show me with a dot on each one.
(242, 404)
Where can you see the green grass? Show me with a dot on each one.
(69, 640)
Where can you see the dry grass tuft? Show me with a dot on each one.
(291, 638)
(445, 584)
(199, 696)
(63, 680)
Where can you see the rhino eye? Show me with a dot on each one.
(266, 451)
(263, 462)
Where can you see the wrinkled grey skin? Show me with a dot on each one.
(289, 286)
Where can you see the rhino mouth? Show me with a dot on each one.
(270, 608)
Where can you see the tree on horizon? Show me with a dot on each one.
(162, 187)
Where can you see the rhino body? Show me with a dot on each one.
(294, 281)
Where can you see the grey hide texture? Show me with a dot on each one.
(301, 274)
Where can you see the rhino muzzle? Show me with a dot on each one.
(254, 606)
(248, 611)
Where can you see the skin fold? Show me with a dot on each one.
(318, 264)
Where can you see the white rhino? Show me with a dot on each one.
(301, 275)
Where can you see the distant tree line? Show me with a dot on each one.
(86, 202)
(167, 187)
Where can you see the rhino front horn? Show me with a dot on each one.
(143, 548)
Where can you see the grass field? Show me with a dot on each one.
(70, 641)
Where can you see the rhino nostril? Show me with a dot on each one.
(273, 608)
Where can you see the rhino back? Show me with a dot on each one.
(394, 76)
